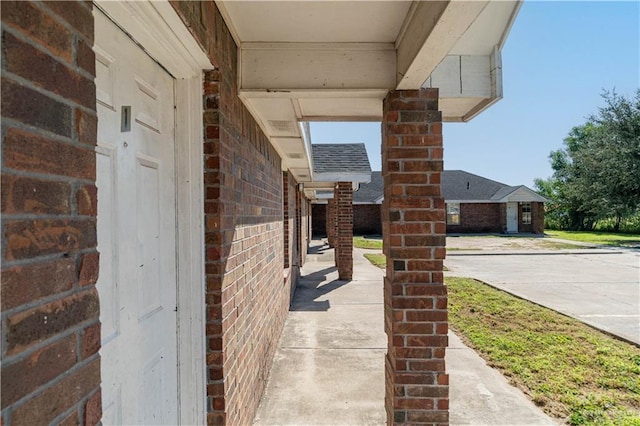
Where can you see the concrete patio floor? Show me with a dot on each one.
(329, 366)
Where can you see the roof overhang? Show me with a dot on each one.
(336, 61)
(322, 187)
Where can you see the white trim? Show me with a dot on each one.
(305, 130)
(428, 35)
(365, 203)
(226, 16)
(191, 274)
(158, 29)
(361, 177)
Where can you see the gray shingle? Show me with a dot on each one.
(369, 192)
(340, 158)
(461, 185)
(456, 185)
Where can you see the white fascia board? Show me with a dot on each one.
(365, 203)
(496, 70)
(304, 66)
(305, 131)
(496, 86)
(471, 77)
(157, 26)
(359, 177)
(428, 35)
(462, 76)
(512, 20)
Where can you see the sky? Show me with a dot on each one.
(558, 59)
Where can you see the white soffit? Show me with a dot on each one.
(363, 109)
(316, 21)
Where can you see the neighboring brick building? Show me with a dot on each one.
(157, 174)
(474, 205)
(477, 204)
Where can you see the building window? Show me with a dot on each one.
(453, 213)
(526, 213)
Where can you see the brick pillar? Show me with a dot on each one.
(414, 228)
(286, 219)
(330, 216)
(537, 217)
(298, 260)
(344, 233)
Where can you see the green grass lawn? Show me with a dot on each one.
(378, 259)
(367, 243)
(570, 370)
(603, 238)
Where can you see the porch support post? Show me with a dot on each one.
(330, 218)
(344, 234)
(414, 228)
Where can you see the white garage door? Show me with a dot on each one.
(136, 231)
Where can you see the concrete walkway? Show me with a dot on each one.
(329, 366)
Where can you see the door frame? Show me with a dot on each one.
(158, 29)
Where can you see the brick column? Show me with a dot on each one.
(286, 219)
(413, 216)
(344, 233)
(537, 217)
(330, 217)
(298, 260)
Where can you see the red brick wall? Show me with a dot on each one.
(50, 309)
(247, 297)
(367, 219)
(537, 213)
(306, 228)
(288, 196)
(537, 219)
(474, 218)
(478, 217)
(291, 236)
(319, 220)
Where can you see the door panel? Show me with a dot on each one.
(512, 217)
(136, 231)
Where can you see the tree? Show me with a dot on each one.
(597, 173)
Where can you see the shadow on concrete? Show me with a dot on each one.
(313, 286)
(318, 249)
(316, 278)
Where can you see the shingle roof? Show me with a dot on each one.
(369, 192)
(461, 185)
(456, 185)
(340, 158)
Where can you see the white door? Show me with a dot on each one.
(512, 217)
(136, 231)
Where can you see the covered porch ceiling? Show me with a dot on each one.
(305, 61)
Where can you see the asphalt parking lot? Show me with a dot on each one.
(600, 287)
